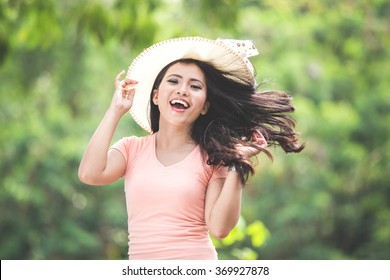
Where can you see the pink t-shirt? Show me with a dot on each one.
(165, 204)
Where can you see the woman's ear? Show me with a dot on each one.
(155, 97)
(205, 109)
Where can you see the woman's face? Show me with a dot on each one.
(181, 96)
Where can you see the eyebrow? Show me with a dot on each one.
(191, 79)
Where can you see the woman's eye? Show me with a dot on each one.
(196, 87)
(172, 81)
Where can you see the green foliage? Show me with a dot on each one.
(57, 64)
(242, 241)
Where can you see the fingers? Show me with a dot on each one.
(119, 77)
(124, 82)
(247, 151)
(259, 139)
(127, 84)
(254, 147)
(126, 87)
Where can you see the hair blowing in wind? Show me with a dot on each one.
(238, 110)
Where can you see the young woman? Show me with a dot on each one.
(198, 99)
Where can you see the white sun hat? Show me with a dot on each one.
(224, 54)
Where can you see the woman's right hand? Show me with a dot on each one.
(123, 95)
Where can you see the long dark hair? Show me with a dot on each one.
(236, 110)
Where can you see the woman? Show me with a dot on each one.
(185, 179)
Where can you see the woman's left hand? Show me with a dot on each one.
(250, 151)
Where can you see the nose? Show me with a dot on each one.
(182, 92)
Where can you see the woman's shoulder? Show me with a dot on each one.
(137, 141)
(212, 171)
(132, 143)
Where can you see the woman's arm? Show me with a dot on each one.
(99, 165)
(223, 197)
(223, 204)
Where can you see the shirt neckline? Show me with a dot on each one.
(174, 164)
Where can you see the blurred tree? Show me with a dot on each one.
(51, 98)
(331, 201)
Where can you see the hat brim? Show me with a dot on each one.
(148, 64)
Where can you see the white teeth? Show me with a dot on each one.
(179, 101)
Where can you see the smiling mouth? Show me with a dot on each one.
(179, 104)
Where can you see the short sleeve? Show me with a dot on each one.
(130, 147)
(123, 147)
(219, 172)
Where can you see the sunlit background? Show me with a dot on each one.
(58, 60)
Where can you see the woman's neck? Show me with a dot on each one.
(173, 138)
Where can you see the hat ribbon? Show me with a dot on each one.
(245, 48)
